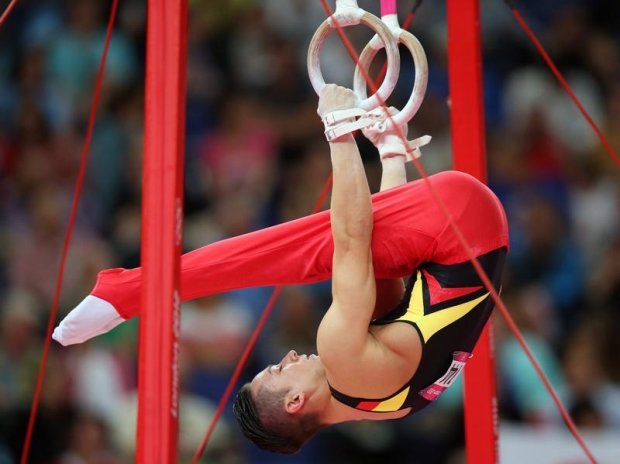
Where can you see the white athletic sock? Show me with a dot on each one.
(92, 317)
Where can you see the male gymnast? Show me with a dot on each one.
(367, 366)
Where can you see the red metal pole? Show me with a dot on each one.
(162, 215)
(469, 155)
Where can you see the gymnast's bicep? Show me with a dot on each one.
(354, 295)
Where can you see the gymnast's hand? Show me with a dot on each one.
(334, 97)
(387, 138)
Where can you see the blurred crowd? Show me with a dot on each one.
(256, 156)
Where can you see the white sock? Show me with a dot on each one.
(92, 317)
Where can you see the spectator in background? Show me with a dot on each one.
(73, 58)
(35, 251)
(299, 312)
(238, 156)
(88, 443)
(214, 331)
(33, 87)
(522, 396)
(55, 414)
(592, 399)
(605, 278)
(19, 347)
(544, 257)
(595, 202)
(195, 415)
(98, 383)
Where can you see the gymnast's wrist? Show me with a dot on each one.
(393, 158)
(343, 139)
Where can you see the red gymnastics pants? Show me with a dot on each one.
(409, 229)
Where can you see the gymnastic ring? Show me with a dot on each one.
(347, 14)
(404, 37)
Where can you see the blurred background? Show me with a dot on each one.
(256, 156)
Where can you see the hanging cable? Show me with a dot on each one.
(274, 296)
(478, 268)
(63, 261)
(250, 345)
(7, 12)
(558, 75)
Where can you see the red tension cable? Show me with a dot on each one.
(473, 259)
(7, 12)
(558, 75)
(250, 345)
(63, 261)
(478, 268)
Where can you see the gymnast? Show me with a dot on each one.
(367, 367)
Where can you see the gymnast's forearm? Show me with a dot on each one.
(351, 207)
(390, 291)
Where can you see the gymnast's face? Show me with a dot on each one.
(293, 371)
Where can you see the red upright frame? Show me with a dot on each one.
(469, 155)
(162, 215)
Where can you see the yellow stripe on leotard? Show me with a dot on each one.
(394, 403)
(430, 324)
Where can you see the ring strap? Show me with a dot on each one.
(393, 146)
(341, 122)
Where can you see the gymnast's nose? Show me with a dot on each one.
(291, 356)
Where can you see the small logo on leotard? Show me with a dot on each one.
(459, 359)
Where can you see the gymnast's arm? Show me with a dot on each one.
(353, 282)
(390, 291)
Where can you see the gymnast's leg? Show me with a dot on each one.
(406, 226)
(296, 252)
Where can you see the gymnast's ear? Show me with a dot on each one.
(294, 401)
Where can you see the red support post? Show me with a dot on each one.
(162, 230)
(469, 155)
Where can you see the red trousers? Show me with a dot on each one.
(409, 228)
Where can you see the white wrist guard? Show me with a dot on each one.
(342, 122)
(389, 140)
(392, 145)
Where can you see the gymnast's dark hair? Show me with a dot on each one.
(268, 425)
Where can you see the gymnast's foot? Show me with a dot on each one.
(92, 317)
